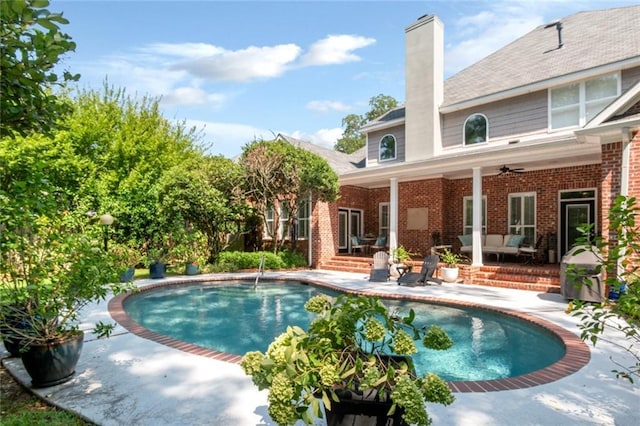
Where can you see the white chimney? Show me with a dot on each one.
(424, 80)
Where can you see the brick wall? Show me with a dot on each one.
(443, 199)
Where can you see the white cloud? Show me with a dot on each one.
(228, 138)
(193, 96)
(186, 50)
(242, 65)
(335, 49)
(325, 106)
(323, 137)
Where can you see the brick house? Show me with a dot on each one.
(535, 139)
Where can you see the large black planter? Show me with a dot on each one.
(355, 409)
(158, 270)
(10, 339)
(53, 363)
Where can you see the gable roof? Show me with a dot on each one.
(591, 40)
(339, 161)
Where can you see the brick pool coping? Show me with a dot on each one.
(576, 356)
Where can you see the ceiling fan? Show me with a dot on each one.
(504, 170)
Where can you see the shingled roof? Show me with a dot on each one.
(339, 162)
(590, 39)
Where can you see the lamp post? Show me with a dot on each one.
(106, 220)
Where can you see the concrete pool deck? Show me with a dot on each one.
(128, 380)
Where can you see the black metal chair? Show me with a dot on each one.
(533, 255)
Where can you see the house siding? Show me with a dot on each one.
(373, 147)
(510, 117)
(630, 77)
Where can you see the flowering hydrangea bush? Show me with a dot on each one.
(353, 344)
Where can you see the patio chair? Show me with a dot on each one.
(425, 276)
(533, 255)
(380, 267)
(357, 245)
(380, 244)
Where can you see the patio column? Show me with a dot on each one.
(393, 214)
(476, 259)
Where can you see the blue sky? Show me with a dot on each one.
(241, 70)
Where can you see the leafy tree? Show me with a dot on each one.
(352, 140)
(618, 260)
(31, 45)
(126, 146)
(277, 172)
(206, 195)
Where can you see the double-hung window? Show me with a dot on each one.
(577, 103)
(467, 225)
(383, 226)
(304, 213)
(522, 215)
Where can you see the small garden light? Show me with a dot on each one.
(106, 220)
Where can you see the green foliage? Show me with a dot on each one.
(450, 258)
(128, 148)
(347, 347)
(352, 140)
(233, 260)
(206, 195)
(32, 44)
(401, 254)
(618, 260)
(277, 171)
(52, 266)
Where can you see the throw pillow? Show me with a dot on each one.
(466, 240)
(515, 240)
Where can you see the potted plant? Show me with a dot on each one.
(451, 260)
(51, 267)
(399, 260)
(191, 251)
(345, 357)
(127, 257)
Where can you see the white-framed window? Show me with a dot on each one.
(476, 129)
(304, 215)
(269, 215)
(383, 221)
(577, 103)
(522, 215)
(387, 148)
(467, 215)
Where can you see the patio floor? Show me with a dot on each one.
(129, 380)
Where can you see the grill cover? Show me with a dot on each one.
(587, 261)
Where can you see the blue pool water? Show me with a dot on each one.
(234, 317)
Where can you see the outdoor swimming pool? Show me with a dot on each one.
(233, 317)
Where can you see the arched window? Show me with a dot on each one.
(387, 148)
(476, 129)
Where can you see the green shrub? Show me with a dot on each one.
(230, 261)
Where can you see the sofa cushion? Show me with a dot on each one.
(494, 240)
(466, 240)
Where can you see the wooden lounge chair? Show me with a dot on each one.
(380, 267)
(425, 276)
